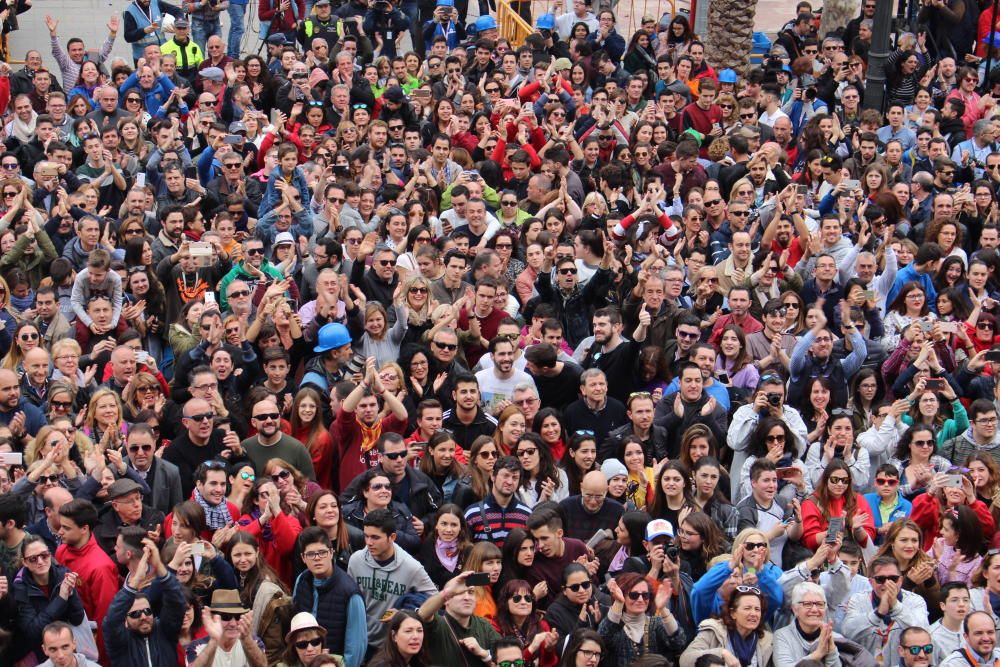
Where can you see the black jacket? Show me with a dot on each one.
(37, 608)
(655, 448)
(423, 499)
(406, 534)
(159, 649)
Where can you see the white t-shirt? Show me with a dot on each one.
(494, 389)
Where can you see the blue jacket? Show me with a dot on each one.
(901, 511)
(909, 274)
(154, 98)
(272, 196)
(36, 608)
(34, 418)
(159, 649)
(705, 599)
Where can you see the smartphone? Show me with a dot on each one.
(993, 355)
(201, 253)
(275, 116)
(140, 179)
(49, 171)
(389, 613)
(851, 184)
(789, 520)
(723, 377)
(934, 384)
(953, 482)
(926, 326)
(597, 538)
(11, 459)
(232, 139)
(142, 357)
(198, 549)
(802, 189)
(209, 299)
(835, 528)
(787, 473)
(948, 327)
(869, 295)
(478, 579)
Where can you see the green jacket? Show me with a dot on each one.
(441, 632)
(955, 426)
(36, 265)
(239, 273)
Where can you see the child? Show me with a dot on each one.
(887, 500)
(947, 632)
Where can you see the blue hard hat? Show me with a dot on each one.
(546, 22)
(331, 336)
(727, 76)
(486, 23)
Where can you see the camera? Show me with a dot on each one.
(671, 552)
(773, 399)
(546, 33)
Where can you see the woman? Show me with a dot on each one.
(42, 592)
(439, 463)
(940, 498)
(909, 306)
(699, 540)
(275, 530)
(672, 499)
(808, 639)
(105, 419)
(630, 536)
(418, 299)
(511, 426)
(324, 512)
(259, 584)
(304, 642)
(183, 333)
(948, 235)
(446, 548)
(926, 409)
(404, 643)
(916, 460)
(308, 428)
(541, 480)
(26, 337)
(773, 439)
(709, 496)
(375, 492)
(241, 478)
(579, 459)
(482, 458)
(985, 474)
(517, 617)
(734, 359)
(486, 557)
(834, 497)
(795, 313)
(548, 425)
(866, 393)
(838, 442)
(903, 542)
(959, 549)
(143, 392)
(951, 273)
(739, 637)
(574, 608)
(640, 622)
(415, 362)
(293, 487)
(816, 408)
(518, 557)
(504, 242)
(640, 476)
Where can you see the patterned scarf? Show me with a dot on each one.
(369, 436)
(447, 553)
(216, 516)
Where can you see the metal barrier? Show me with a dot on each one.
(510, 24)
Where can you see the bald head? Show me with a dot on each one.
(10, 390)
(53, 499)
(593, 490)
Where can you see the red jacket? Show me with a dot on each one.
(284, 22)
(277, 549)
(813, 522)
(926, 513)
(98, 582)
(321, 452)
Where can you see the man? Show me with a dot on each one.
(50, 321)
(450, 286)
(979, 642)
(379, 282)
(252, 269)
(703, 356)
(770, 348)
(357, 424)
(384, 573)
(590, 510)
(59, 645)
(126, 509)
(35, 382)
(188, 54)
(332, 596)
(80, 552)
(200, 442)
(946, 632)
(71, 60)
(975, 151)
(230, 639)
(921, 270)
(739, 315)
(768, 400)
(474, 634)
(739, 264)
(574, 303)
(690, 403)
(769, 513)
(980, 438)
(526, 398)
(22, 417)
(480, 319)
(610, 352)
(580, 14)
(496, 384)
(556, 381)
(554, 552)
(595, 410)
(640, 411)
(662, 307)
(271, 443)
(410, 486)
(12, 518)
(161, 476)
(47, 526)
(333, 350)
(467, 420)
(210, 492)
(876, 619)
(703, 116)
(812, 357)
(606, 38)
(499, 512)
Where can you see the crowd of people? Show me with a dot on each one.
(394, 343)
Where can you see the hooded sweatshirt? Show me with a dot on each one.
(384, 585)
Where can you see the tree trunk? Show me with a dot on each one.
(730, 34)
(836, 14)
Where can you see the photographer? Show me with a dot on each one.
(769, 400)
(385, 24)
(445, 24)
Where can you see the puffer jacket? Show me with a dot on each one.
(37, 608)
(406, 534)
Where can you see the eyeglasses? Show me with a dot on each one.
(140, 448)
(303, 644)
(726, 106)
(813, 604)
(379, 486)
(255, 251)
(989, 421)
(576, 588)
(591, 655)
(527, 597)
(915, 649)
(753, 546)
(839, 480)
(239, 294)
(503, 246)
(10, 194)
(201, 416)
(393, 128)
(748, 589)
(37, 558)
(268, 416)
(341, 200)
(492, 90)
(319, 554)
(882, 578)
(446, 346)
(395, 456)
(139, 613)
(386, 262)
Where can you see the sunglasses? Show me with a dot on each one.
(882, 578)
(380, 487)
(386, 262)
(446, 346)
(139, 613)
(37, 558)
(265, 416)
(395, 456)
(255, 251)
(915, 650)
(748, 589)
(202, 416)
(636, 595)
(140, 448)
(839, 480)
(527, 597)
(303, 644)
(228, 618)
(567, 272)
(48, 479)
(882, 481)
(418, 290)
(28, 336)
(239, 294)
(488, 455)
(284, 474)
(753, 546)
(62, 405)
(576, 588)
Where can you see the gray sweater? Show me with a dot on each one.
(790, 647)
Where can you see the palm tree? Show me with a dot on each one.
(730, 33)
(836, 14)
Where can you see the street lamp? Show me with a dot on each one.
(877, 56)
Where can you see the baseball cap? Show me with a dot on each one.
(658, 528)
(284, 238)
(236, 127)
